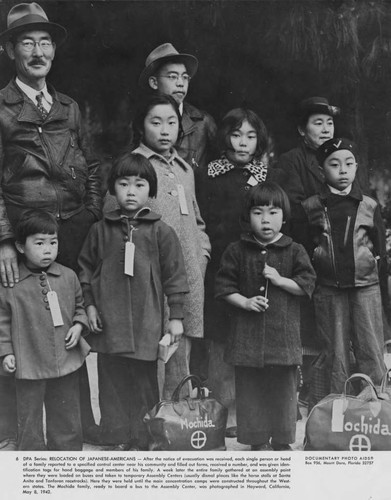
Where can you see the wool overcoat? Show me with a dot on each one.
(190, 229)
(26, 326)
(224, 188)
(271, 337)
(131, 307)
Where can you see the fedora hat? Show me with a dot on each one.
(314, 105)
(159, 56)
(31, 16)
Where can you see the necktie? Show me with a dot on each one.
(42, 110)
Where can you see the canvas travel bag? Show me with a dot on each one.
(188, 424)
(341, 422)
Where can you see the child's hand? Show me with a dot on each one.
(73, 336)
(272, 274)
(258, 304)
(94, 319)
(9, 363)
(175, 329)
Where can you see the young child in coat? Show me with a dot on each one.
(349, 241)
(41, 322)
(243, 141)
(261, 277)
(129, 262)
(156, 128)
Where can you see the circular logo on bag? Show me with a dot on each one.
(198, 440)
(360, 442)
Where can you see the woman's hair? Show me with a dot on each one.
(149, 102)
(233, 121)
(133, 164)
(34, 222)
(268, 193)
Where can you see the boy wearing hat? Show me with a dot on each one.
(45, 162)
(349, 241)
(169, 72)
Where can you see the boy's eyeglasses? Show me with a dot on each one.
(28, 45)
(174, 77)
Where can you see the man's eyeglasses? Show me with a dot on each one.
(174, 77)
(28, 45)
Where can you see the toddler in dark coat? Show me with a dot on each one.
(261, 277)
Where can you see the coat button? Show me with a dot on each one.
(171, 175)
(246, 188)
(262, 288)
(263, 252)
(126, 238)
(47, 307)
(245, 173)
(43, 283)
(45, 299)
(42, 277)
(44, 291)
(174, 192)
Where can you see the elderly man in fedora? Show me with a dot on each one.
(45, 164)
(169, 72)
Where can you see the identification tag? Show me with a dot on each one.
(182, 200)
(55, 308)
(129, 258)
(252, 181)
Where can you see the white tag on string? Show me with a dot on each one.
(182, 200)
(55, 308)
(252, 181)
(129, 258)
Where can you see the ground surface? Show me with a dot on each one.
(232, 444)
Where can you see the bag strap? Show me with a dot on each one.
(194, 378)
(365, 378)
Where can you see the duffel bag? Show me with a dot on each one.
(191, 423)
(350, 423)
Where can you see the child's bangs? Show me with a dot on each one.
(35, 222)
(268, 194)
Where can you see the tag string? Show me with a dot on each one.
(46, 276)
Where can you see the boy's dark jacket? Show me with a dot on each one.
(364, 233)
(272, 337)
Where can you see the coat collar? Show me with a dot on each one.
(29, 113)
(221, 166)
(148, 153)
(311, 162)
(144, 214)
(24, 272)
(283, 242)
(355, 193)
(190, 117)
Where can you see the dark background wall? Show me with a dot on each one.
(265, 54)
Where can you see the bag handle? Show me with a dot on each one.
(384, 381)
(361, 376)
(194, 378)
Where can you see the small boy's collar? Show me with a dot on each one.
(344, 192)
(25, 272)
(355, 192)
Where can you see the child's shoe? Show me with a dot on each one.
(276, 446)
(261, 447)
